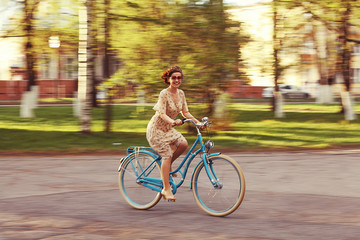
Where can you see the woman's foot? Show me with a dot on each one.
(167, 195)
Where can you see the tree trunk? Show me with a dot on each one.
(345, 53)
(85, 65)
(277, 99)
(347, 106)
(324, 94)
(30, 59)
(93, 32)
(29, 98)
(108, 109)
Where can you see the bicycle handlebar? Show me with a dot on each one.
(205, 121)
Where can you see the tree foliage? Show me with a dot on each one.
(150, 36)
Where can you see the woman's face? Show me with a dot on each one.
(175, 79)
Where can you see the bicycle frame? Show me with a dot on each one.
(156, 184)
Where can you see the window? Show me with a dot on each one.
(44, 67)
(70, 67)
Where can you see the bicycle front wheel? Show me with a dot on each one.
(227, 194)
(132, 190)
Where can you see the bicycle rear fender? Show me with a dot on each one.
(152, 153)
(192, 175)
(147, 149)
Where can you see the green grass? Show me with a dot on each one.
(252, 127)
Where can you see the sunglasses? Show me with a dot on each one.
(176, 77)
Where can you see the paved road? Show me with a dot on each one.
(296, 195)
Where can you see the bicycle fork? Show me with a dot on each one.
(209, 169)
(211, 174)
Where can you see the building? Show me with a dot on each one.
(57, 71)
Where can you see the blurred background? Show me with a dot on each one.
(102, 52)
(238, 47)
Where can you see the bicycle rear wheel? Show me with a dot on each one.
(132, 190)
(227, 196)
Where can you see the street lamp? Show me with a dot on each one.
(54, 42)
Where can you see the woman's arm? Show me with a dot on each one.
(189, 116)
(167, 119)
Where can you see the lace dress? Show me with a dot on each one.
(162, 137)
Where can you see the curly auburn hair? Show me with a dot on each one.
(167, 74)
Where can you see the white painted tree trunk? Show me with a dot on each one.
(324, 94)
(84, 71)
(29, 101)
(76, 105)
(279, 102)
(34, 96)
(26, 111)
(347, 102)
(220, 111)
(140, 101)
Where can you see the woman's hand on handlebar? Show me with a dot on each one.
(177, 122)
(197, 123)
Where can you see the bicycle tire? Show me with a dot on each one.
(134, 193)
(223, 200)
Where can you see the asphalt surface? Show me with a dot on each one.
(290, 195)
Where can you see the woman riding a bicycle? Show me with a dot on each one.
(161, 135)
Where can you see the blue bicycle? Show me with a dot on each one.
(217, 182)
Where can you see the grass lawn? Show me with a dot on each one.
(248, 126)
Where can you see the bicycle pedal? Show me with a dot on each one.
(169, 200)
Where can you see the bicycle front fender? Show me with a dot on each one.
(210, 155)
(214, 154)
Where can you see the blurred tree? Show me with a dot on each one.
(36, 21)
(337, 17)
(196, 35)
(211, 47)
(345, 57)
(284, 42)
(106, 67)
(24, 26)
(122, 20)
(30, 8)
(277, 102)
(314, 16)
(321, 19)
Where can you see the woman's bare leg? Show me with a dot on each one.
(180, 149)
(165, 169)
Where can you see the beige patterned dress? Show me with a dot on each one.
(162, 137)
